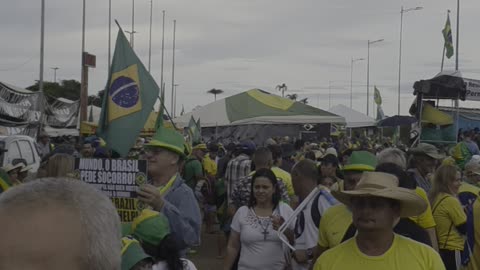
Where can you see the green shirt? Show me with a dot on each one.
(192, 171)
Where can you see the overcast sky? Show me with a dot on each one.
(240, 45)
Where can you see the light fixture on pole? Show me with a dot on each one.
(131, 36)
(351, 77)
(368, 72)
(402, 10)
(55, 73)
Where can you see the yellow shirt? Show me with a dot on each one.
(209, 165)
(333, 226)
(403, 254)
(475, 257)
(448, 213)
(286, 179)
(425, 220)
(469, 188)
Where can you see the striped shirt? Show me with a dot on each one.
(237, 168)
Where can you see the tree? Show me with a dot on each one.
(282, 87)
(68, 89)
(292, 96)
(304, 101)
(215, 92)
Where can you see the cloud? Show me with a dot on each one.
(239, 45)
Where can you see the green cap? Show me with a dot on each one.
(361, 161)
(132, 253)
(150, 227)
(168, 139)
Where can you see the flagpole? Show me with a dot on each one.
(109, 33)
(458, 34)
(443, 57)
(163, 48)
(173, 63)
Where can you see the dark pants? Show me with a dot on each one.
(448, 258)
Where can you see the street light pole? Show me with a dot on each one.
(368, 72)
(400, 53)
(175, 100)
(351, 78)
(55, 73)
(329, 95)
(458, 35)
(40, 82)
(173, 60)
(131, 36)
(150, 38)
(133, 24)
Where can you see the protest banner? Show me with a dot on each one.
(116, 178)
(473, 89)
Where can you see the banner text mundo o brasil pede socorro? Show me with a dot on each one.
(116, 178)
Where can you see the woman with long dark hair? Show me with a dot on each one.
(254, 227)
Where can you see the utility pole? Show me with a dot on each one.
(173, 63)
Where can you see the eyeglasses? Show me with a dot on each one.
(154, 151)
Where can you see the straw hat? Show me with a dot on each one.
(378, 184)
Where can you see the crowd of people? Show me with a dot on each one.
(334, 203)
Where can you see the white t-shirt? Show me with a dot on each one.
(163, 265)
(256, 252)
(306, 231)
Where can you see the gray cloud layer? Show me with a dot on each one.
(238, 45)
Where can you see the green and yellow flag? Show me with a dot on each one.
(130, 95)
(4, 181)
(377, 97)
(194, 131)
(447, 36)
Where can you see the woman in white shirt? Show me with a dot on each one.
(254, 227)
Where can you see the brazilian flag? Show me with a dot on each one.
(129, 98)
(4, 181)
(447, 36)
(377, 97)
(194, 131)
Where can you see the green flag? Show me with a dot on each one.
(130, 95)
(447, 36)
(193, 131)
(376, 96)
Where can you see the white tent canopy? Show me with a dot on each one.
(353, 118)
(257, 107)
